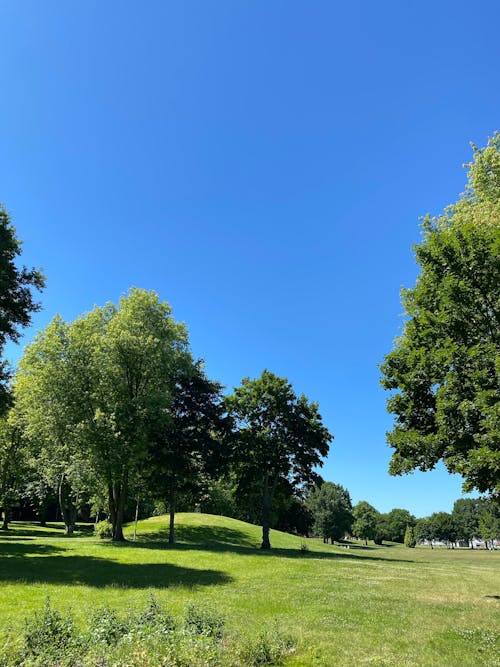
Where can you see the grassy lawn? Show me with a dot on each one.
(372, 605)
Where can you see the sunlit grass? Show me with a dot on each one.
(383, 605)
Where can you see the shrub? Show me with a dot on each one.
(268, 648)
(410, 540)
(105, 627)
(104, 530)
(49, 633)
(204, 621)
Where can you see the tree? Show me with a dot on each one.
(331, 507)
(280, 437)
(489, 521)
(50, 406)
(465, 516)
(105, 383)
(410, 540)
(395, 523)
(188, 448)
(16, 295)
(444, 527)
(11, 465)
(445, 368)
(425, 530)
(365, 521)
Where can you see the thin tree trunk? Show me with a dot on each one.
(119, 505)
(136, 517)
(171, 508)
(266, 544)
(6, 518)
(68, 512)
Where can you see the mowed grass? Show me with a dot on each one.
(385, 605)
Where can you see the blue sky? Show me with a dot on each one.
(262, 166)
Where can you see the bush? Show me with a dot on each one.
(148, 636)
(106, 627)
(410, 540)
(49, 633)
(268, 648)
(104, 530)
(204, 621)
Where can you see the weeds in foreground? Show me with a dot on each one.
(149, 637)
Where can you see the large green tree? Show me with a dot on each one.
(105, 385)
(395, 523)
(366, 519)
(190, 447)
(12, 461)
(444, 370)
(280, 438)
(331, 507)
(17, 302)
(465, 514)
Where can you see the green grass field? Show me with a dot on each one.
(385, 605)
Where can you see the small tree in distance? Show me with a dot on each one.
(410, 540)
(331, 508)
(366, 518)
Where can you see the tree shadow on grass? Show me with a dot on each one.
(28, 528)
(43, 563)
(202, 536)
(221, 539)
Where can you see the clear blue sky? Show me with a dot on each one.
(261, 165)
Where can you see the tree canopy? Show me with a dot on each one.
(93, 392)
(444, 370)
(280, 437)
(331, 507)
(17, 302)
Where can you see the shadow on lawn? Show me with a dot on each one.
(28, 529)
(43, 563)
(220, 539)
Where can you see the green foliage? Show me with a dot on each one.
(204, 621)
(393, 524)
(16, 295)
(444, 368)
(93, 393)
(489, 521)
(465, 517)
(145, 637)
(12, 463)
(49, 634)
(410, 540)
(268, 648)
(104, 530)
(366, 519)
(443, 527)
(331, 507)
(191, 446)
(281, 438)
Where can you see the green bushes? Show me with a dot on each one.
(410, 540)
(150, 636)
(104, 530)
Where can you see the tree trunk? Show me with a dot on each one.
(68, 510)
(119, 505)
(6, 518)
(136, 517)
(266, 544)
(171, 509)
